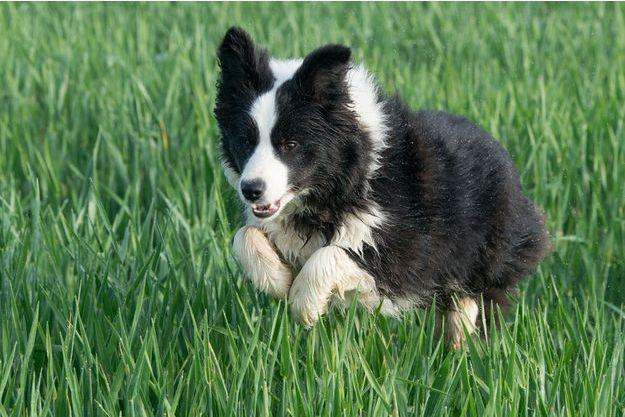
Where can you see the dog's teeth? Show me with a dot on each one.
(265, 210)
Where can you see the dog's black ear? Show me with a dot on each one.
(242, 63)
(322, 73)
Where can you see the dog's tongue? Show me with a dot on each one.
(265, 210)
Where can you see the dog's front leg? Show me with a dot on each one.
(261, 262)
(329, 271)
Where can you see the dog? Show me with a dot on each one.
(348, 193)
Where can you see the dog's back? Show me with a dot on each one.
(459, 221)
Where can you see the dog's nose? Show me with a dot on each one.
(252, 189)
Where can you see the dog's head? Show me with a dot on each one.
(288, 128)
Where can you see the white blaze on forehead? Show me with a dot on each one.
(264, 113)
(264, 164)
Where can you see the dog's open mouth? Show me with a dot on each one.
(265, 210)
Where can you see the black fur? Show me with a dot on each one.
(245, 74)
(460, 222)
(457, 221)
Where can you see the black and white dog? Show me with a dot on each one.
(349, 193)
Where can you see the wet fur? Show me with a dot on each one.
(438, 197)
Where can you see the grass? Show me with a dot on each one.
(118, 291)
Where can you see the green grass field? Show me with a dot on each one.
(119, 295)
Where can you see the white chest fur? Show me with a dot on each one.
(321, 269)
(295, 249)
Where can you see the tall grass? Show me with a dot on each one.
(118, 291)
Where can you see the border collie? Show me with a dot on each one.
(348, 193)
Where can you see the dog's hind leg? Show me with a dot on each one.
(460, 320)
(261, 262)
(329, 271)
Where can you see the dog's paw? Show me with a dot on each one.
(261, 262)
(305, 315)
(307, 307)
(460, 322)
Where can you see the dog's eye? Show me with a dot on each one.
(289, 145)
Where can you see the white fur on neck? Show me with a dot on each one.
(357, 229)
(364, 96)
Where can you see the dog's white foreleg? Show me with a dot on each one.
(329, 271)
(261, 263)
